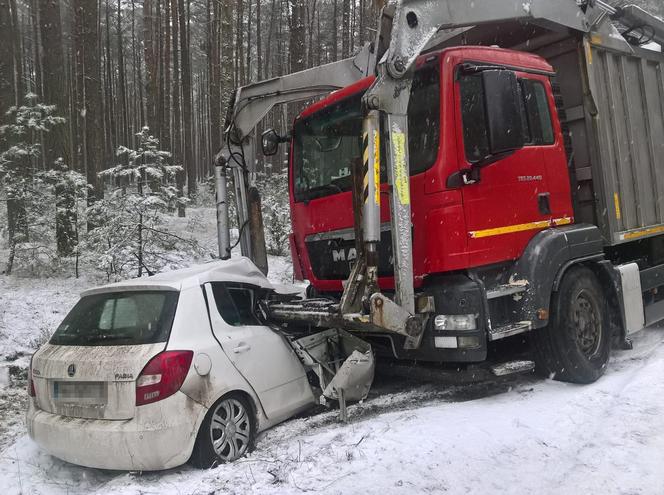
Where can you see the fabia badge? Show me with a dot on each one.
(71, 370)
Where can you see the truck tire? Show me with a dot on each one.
(226, 434)
(576, 345)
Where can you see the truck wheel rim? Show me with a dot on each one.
(230, 430)
(587, 323)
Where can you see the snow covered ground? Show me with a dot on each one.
(537, 436)
(526, 435)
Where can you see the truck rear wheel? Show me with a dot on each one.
(576, 344)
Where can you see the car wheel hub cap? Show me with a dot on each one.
(230, 429)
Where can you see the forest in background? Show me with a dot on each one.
(128, 95)
(111, 112)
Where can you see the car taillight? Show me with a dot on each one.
(31, 385)
(162, 376)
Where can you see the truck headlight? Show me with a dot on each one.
(455, 322)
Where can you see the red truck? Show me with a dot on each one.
(533, 201)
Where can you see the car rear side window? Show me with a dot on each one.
(235, 304)
(119, 318)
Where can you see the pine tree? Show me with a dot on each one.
(130, 237)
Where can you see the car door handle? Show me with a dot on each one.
(241, 348)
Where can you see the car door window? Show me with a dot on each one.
(235, 304)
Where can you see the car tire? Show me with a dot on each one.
(227, 433)
(576, 345)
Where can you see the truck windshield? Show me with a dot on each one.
(328, 144)
(119, 318)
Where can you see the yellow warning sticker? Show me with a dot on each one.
(400, 168)
(376, 166)
(616, 201)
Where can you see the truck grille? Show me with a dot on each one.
(333, 254)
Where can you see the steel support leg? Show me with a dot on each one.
(399, 179)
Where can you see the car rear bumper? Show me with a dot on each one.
(160, 436)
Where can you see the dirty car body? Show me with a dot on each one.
(130, 376)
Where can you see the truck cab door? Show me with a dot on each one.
(510, 201)
(261, 356)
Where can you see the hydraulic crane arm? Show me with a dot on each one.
(250, 105)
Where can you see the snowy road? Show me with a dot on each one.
(536, 437)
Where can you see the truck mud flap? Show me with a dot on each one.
(343, 363)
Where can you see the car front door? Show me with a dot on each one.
(261, 355)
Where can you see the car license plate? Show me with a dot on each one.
(86, 392)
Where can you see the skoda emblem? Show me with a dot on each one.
(71, 370)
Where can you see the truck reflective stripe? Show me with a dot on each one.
(522, 227)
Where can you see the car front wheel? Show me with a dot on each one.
(227, 433)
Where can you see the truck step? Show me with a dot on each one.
(505, 290)
(509, 330)
(513, 368)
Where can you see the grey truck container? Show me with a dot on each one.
(612, 102)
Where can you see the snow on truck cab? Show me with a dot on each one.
(447, 194)
(147, 374)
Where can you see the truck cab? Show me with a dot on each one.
(470, 210)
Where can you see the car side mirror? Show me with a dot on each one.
(270, 141)
(502, 95)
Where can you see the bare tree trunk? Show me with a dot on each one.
(166, 87)
(150, 65)
(345, 28)
(57, 144)
(122, 85)
(214, 69)
(297, 36)
(239, 48)
(177, 118)
(87, 43)
(187, 102)
(8, 97)
(54, 84)
(259, 48)
(270, 38)
(159, 61)
(335, 38)
(111, 130)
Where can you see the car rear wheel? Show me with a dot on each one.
(576, 344)
(227, 433)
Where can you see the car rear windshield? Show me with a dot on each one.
(119, 318)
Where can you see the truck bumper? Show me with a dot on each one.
(453, 295)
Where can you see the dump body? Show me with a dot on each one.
(628, 92)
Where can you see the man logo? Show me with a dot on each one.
(71, 370)
(340, 255)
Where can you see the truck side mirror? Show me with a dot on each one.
(502, 94)
(270, 142)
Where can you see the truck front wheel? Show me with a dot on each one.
(576, 344)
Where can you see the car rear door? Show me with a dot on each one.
(261, 355)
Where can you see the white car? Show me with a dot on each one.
(149, 373)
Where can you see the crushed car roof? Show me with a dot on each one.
(238, 270)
